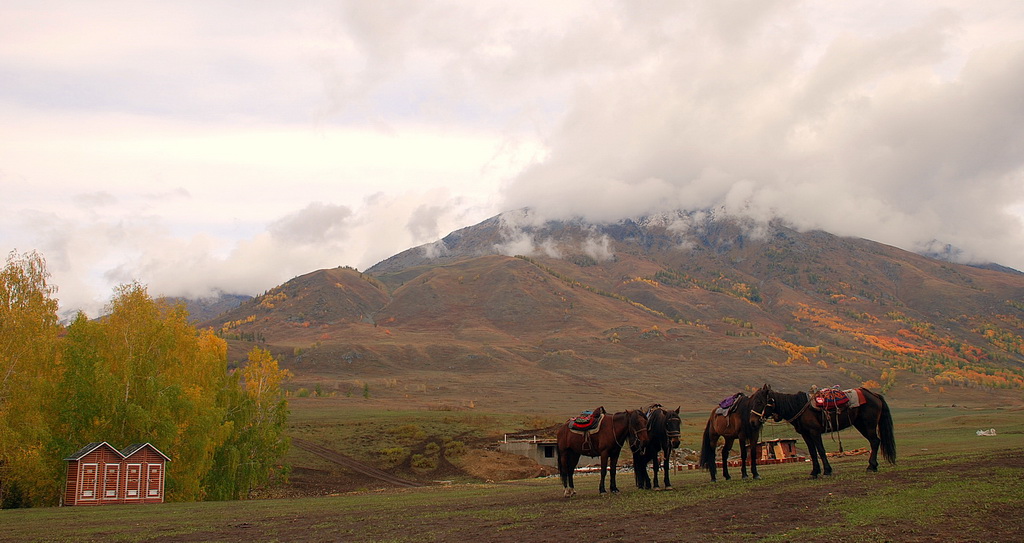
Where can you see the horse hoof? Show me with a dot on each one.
(669, 488)
(757, 477)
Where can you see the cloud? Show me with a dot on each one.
(317, 223)
(859, 133)
(233, 147)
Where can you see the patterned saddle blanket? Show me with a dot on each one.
(834, 399)
(587, 421)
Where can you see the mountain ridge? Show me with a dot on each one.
(580, 311)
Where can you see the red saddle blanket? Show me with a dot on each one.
(588, 420)
(833, 398)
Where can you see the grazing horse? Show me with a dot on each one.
(663, 429)
(743, 422)
(606, 441)
(872, 419)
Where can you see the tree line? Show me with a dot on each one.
(140, 374)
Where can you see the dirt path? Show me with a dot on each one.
(352, 464)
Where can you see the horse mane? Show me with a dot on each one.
(788, 405)
(743, 409)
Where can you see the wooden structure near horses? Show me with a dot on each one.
(779, 451)
(543, 451)
(99, 474)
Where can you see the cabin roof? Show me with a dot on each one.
(80, 453)
(136, 447)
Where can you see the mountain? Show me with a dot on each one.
(202, 309)
(681, 308)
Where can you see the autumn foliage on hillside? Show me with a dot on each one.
(917, 347)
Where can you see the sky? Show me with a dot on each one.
(204, 146)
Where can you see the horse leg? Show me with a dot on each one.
(614, 457)
(707, 450)
(725, 458)
(640, 471)
(575, 457)
(872, 436)
(812, 449)
(668, 484)
(567, 466)
(743, 458)
(823, 455)
(754, 451)
(654, 468)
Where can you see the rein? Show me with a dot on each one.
(636, 436)
(800, 412)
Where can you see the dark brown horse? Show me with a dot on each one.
(663, 429)
(743, 422)
(872, 419)
(606, 441)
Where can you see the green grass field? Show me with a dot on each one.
(949, 484)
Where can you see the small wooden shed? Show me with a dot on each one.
(99, 474)
(543, 451)
(777, 451)
(144, 468)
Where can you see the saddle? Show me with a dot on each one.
(587, 421)
(832, 399)
(727, 405)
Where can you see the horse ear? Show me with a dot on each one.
(678, 408)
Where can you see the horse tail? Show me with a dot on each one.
(707, 448)
(885, 432)
(559, 440)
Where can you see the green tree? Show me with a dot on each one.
(257, 411)
(28, 369)
(140, 374)
(143, 374)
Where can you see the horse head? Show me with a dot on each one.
(762, 405)
(637, 423)
(672, 426)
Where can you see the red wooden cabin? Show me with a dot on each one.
(144, 468)
(99, 474)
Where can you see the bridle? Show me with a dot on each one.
(672, 433)
(764, 413)
(635, 438)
